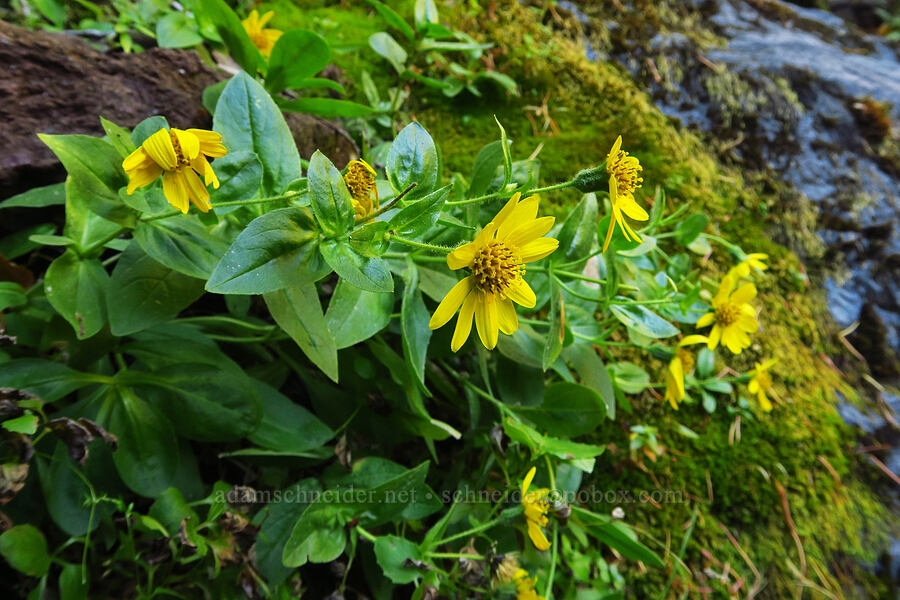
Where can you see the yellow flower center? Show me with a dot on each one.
(626, 170)
(495, 267)
(764, 380)
(180, 159)
(361, 182)
(687, 359)
(727, 313)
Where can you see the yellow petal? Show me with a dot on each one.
(463, 323)
(537, 536)
(714, 336)
(137, 160)
(202, 166)
(725, 287)
(265, 18)
(744, 294)
(633, 209)
(690, 340)
(175, 190)
(676, 370)
(451, 302)
(506, 315)
(617, 145)
(485, 236)
(461, 257)
(747, 323)
(526, 483)
(609, 233)
(198, 193)
(521, 293)
(706, 320)
(486, 320)
(210, 142)
(764, 401)
(626, 227)
(529, 231)
(138, 178)
(503, 214)
(526, 210)
(538, 249)
(190, 145)
(732, 340)
(159, 147)
(753, 386)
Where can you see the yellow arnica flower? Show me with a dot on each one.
(624, 178)
(360, 180)
(496, 258)
(761, 383)
(525, 586)
(681, 364)
(180, 157)
(536, 507)
(751, 261)
(732, 318)
(264, 39)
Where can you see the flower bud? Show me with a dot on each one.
(595, 179)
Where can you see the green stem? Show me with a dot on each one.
(365, 534)
(479, 199)
(415, 257)
(390, 204)
(172, 213)
(573, 292)
(423, 245)
(722, 241)
(104, 241)
(548, 591)
(226, 321)
(454, 555)
(642, 302)
(579, 276)
(468, 532)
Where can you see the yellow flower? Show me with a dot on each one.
(682, 363)
(264, 39)
(732, 317)
(360, 180)
(496, 258)
(624, 179)
(180, 157)
(525, 586)
(754, 261)
(762, 383)
(536, 507)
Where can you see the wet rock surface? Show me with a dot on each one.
(56, 83)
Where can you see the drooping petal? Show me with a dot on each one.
(634, 210)
(744, 294)
(463, 323)
(461, 257)
(714, 336)
(537, 536)
(137, 160)
(175, 190)
(521, 293)
(627, 227)
(676, 370)
(202, 166)
(210, 142)
(506, 316)
(538, 249)
(753, 386)
(190, 145)
(764, 401)
(138, 178)
(526, 210)
(612, 219)
(690, 340)
(706, 320)
(529, 231)
(451, 302)
(198, 193)
(526, 483)
(486, 320)
(159, 147)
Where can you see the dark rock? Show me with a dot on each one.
(872, 341)
(56, 83)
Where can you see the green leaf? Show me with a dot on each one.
(394, 19)
(413, 157)
(76, 288)
(205, 402)
(26, 424)
(593, 374)
(279, 518)
(622, 539)
(70, 585)
(146, 128)
(643, 320)
(170, 509)
(20, 243)
(286, 426)
(576, 236)
(119, 137)
(143, 292)
(421, 215)
(354, 315)
(372, 239)
(297, 311)
(688, 230)
(47, 380)
(95, 174)
(505, 145)
(12, 295)
(147, 457)
(177, 30)
(706, 362)
(67, 497)
(327, 107)
(630, 378)
(39, 197)
(395, 555)
(581, 455)
(250, 121)
(240, 177)
(518, 383)
(211, 94)
(568, 410)
(329, 197)
(25, 549)
(181, 243)
(318, 536)
(297, 54)
(230, 28)
(488, 160)
(275, 251)
(556, 333)
(426, 12)
(414, 318)
(365, 272)
(387, 47)
(320, 82)
(435, 284)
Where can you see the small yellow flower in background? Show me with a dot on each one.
(751, 261)
(360, 180)
(733, 318)
(496, 258)
(264, 39)
(624, 178)
(180, 157)
(536, 507)
(681, 364)
(525, 586)
(762, 383)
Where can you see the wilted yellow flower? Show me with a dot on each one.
(525, 586)
(180, 157)
(681, 364)
(751, 261)
(536, 507)
(264, 39)
(624, 178)
(360, 180)
(732, 317)
(762, 383)
(496, 258)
